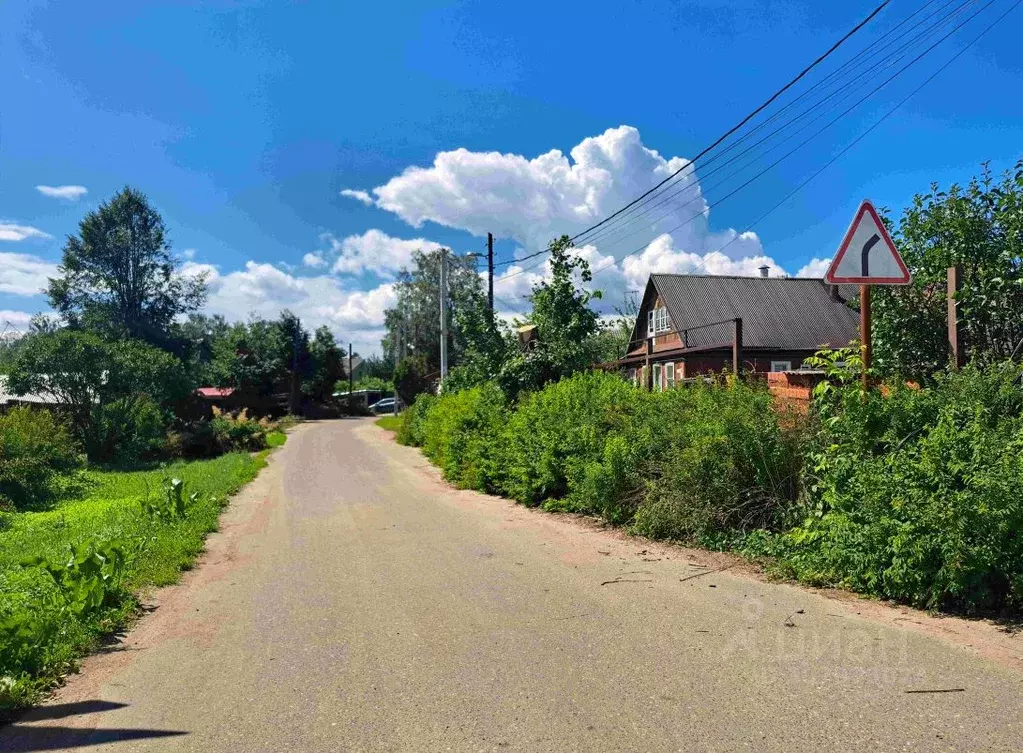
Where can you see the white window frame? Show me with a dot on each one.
(657, 321)
(634, 377)
(669, 375)
(781, 365)
(657, 377)
(650, 323)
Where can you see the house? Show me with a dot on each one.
(689, 325)
(10, 399)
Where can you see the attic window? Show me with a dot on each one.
(657, 321)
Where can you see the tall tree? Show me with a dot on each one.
(565, 324)
(118, 276)
(978, 228)
(327, 365)
(413, 323)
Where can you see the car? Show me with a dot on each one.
(383, 406)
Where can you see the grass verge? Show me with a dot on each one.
(391, 423)
(42, 632)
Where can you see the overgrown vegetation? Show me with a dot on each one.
(68, 573)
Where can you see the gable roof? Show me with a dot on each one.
(784, 313)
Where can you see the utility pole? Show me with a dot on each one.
(490, 271)
(443, 316)
(351, 381)
(865, 345)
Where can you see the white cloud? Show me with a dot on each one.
(814, 268)
(24, 274)
(10, 231)
(264, 289)
(375, 251)
(533, 200)
(314, 260)
(188, 253)
(362, 196)
(72, 193)
(662, 256)
(14, 323)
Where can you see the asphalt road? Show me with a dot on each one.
(354, 602)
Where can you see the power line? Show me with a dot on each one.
(734, 128)
(878, 122)
(841, 89)
(868, 130)
(749, 117)
(846, 92)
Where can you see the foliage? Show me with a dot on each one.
(390, 423)
(412, 430)
(411, 378)
(978, 228)
(912, 494)
(565, 325)
(110, 391)
(118, 276)
(413, 323)
(368, 383)
(237, 431)
(463, 437)
(36, 451)
(67, 574)
(326, 368)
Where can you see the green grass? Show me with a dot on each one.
(391, 423)
(276, 439)
(108, 508)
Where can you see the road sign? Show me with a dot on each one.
(867, 255)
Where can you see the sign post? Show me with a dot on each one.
(867, 256)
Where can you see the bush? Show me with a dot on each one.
(126, 429)
(914, 494)
(412, 430)
(554, 442)
(35, 452)
(722, 464)
(461, 434)
(236, 431)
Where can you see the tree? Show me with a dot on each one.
(118, 277)
(328, 366)
(411, 378)
(565, 324)
(110, 391)
(413, 324)
(979, 229)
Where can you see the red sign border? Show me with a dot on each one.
(865, 207)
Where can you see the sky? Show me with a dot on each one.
(300, 152)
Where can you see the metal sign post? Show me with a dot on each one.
(867, 256)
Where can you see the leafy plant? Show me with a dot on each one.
(36, 451)
(92, 571)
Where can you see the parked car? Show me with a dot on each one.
(383, 406)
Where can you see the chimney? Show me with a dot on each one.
(764, 270)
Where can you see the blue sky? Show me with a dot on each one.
(245, 121)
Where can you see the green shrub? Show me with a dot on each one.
(555, 435)
(126, 429)
(914, 494)
(721, 463)
(237, 431)
(412, 430)
(462, 436)
(35, 452)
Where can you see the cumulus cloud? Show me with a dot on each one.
(264, 289)
(24, 274)
(375, 251)
(14, 322)
(814, 268)
(362, 196)
(314, 260)
(72, 193)
(10, 231)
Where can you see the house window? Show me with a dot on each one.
(669, 375)
(632, 377)
(657, 321)
(781, 365)
(657, 377)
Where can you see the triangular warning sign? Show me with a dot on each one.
(867, 254)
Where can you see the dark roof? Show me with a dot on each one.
(783, 313)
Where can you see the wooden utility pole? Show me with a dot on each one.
(737, 347)
(351, 382)
(955, 284)
(865, 334)
(490, 271)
